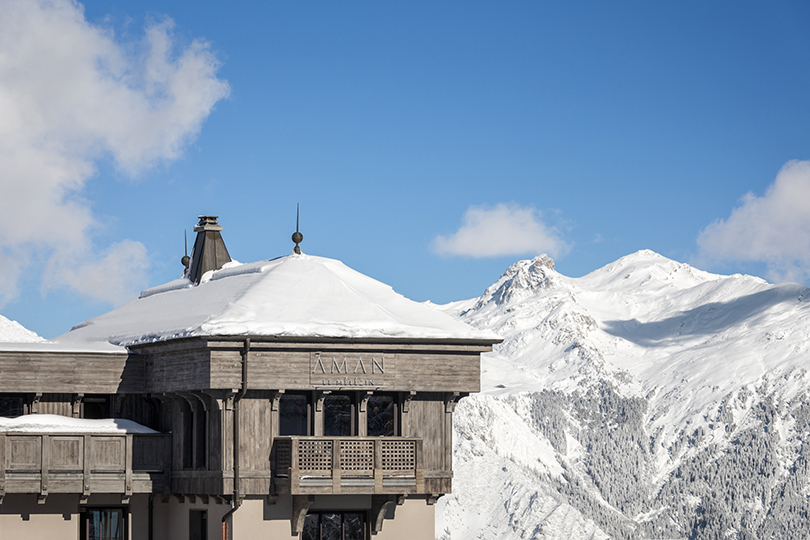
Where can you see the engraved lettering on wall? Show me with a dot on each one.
(348, 370)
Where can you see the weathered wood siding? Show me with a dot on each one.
(61, 404)
(255, 441)
(426, 419)
(178, 371)
(88, 373)
(348, 369)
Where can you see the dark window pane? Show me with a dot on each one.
(105, 524)
(337, 416)
(380, 414)
(293, 415)
(12, 407)
(188, 436)
(197, 525)
(353, 527)
(331, 527)
(201, 441)
(96, 407)
(312, 527)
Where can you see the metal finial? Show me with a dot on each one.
(297, 237)
(185, 259)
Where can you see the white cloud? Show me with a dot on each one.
(71, 93)
(501, 230)
(774, 228)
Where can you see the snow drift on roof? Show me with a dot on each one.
(53, 423)
(296, 295)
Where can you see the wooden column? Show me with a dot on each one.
(2, 466)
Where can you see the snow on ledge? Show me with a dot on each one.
(53, 423)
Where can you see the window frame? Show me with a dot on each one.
(309, 422)
(83, 517)
(363, 513)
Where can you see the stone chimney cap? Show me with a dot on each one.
(207, 223)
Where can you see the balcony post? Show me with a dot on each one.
(336, 466)
(295, 473)
(419, 473)
(378, 466)
(128, 449)
(45, 448)
(88, 445)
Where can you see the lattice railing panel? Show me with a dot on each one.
(398, 457)
(283, 454)
(314, 455)
(357, 457)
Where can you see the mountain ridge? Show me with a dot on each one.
(656, 383)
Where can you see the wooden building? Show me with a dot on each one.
(289, 398)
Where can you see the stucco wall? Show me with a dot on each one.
(171, 518)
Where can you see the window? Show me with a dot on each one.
(335, 526)
(293, 414)
(338, 416)
(381, 416)
(96, 407)
(12, 405)
(195, 436)
(197, 525)
(103, 523)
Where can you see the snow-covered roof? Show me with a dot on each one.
(292, 296)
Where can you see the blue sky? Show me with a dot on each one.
(430, 145)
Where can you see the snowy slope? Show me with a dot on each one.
(673, 401)
(14, 332)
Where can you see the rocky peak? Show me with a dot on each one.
(521, 280)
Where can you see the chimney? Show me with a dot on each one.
(209, 252)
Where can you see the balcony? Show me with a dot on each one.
(348, 465)
(84, 463)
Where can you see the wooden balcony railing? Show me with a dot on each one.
(332, 465)
(84, 463)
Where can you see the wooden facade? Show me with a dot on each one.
(219, 405)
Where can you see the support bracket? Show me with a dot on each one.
(380, 504)
(406, 401)
(276, 399)
(300, 506)
(450, 400)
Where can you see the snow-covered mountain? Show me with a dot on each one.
(647, 399)
(14, 332)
